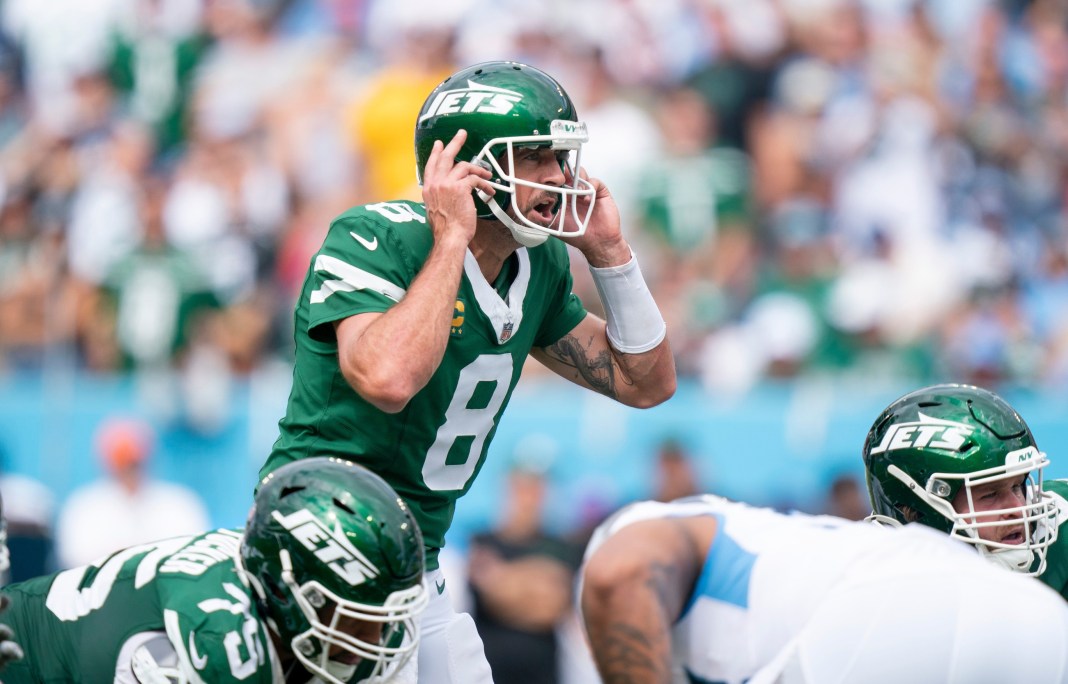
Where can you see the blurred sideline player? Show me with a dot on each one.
(959, 459)
(324, 584)
(707, 590)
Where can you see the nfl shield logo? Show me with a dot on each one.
(506, 331)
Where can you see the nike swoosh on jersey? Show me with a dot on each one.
(199, 661)
(371, 244)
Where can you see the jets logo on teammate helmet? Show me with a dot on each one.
(330, 543)
(928, 445)
(502, 106)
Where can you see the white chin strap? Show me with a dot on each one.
(340, 671)
(524, 235)
(1017, 560)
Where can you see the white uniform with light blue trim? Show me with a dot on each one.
(798, 598)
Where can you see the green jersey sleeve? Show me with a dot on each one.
(363, 265)
(209, 616)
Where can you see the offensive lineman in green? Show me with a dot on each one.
(416, 319)
(325, 584)
(959, 459)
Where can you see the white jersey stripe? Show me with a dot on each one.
(351, 278)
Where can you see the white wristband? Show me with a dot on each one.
(634, 321)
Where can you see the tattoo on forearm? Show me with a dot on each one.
(597, 371)
(632, 655)
(635, 648)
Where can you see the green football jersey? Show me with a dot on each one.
(1056, 572)
(433, 449)
(75, 625)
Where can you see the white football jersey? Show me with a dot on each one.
(776, 588)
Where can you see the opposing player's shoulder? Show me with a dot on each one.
(641, 511)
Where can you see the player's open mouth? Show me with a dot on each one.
(1014, 537)
(545, 210)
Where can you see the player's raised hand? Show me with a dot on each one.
(447, 189)
(603, 243)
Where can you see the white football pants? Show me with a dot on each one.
(450, 649)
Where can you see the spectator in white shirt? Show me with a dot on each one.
(127, 506)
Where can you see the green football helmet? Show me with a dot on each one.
(927, 445)
(504, 105)
(329, 542)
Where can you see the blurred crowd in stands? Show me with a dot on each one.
(867, 189)
(871, 188)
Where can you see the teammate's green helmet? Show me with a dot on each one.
(929, 444)
(504, 105)
(329, 542)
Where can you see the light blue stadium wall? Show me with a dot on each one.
(778, 445)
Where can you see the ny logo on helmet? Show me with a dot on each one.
(926, 432)
(474, 98)
(1028, 458)
(331, 547)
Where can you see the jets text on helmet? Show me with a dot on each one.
(926, 432)
(474, 98)
(331, 547)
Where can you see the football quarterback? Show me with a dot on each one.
(416, 318)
